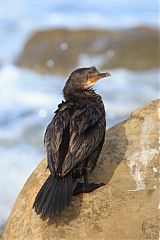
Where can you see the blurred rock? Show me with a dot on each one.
(126, 208)
(60, 51)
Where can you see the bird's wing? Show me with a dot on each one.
(70, 139)
(81, 146)
(56, 141)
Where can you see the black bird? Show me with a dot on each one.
(73, 141)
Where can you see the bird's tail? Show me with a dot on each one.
(54, 196)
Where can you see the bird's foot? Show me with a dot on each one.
(86, 188)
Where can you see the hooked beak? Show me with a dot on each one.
(103, 75)
(92, 81)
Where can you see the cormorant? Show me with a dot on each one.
(73, 142)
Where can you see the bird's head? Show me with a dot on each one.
(84, 78)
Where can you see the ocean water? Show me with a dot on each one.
(28, 100)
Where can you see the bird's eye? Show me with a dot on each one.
(93, 68)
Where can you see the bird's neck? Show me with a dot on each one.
(79, 94)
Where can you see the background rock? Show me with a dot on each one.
(126, 208)
(60, 51)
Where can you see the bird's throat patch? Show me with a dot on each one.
(93, 80)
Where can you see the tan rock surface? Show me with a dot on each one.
(126, 208)
(49, 51)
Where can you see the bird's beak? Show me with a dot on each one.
(100, 76)
(92, 81)
(103, 75)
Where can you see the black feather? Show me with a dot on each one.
(54, 196)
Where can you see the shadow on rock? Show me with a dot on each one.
(70, 213)
(113, 153)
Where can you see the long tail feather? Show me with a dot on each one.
(54, 196)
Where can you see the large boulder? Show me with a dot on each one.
(125, 208)
(60, 51)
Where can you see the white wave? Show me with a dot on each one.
(23, 96)
(20, 87)
(15, 166)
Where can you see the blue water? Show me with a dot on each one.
(28, 100)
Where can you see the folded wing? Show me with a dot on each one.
(72, 136)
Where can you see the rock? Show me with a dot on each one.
(125, 208)
(48, 51)
(151, 228)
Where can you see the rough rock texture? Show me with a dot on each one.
(126, 208)
(49, 51)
